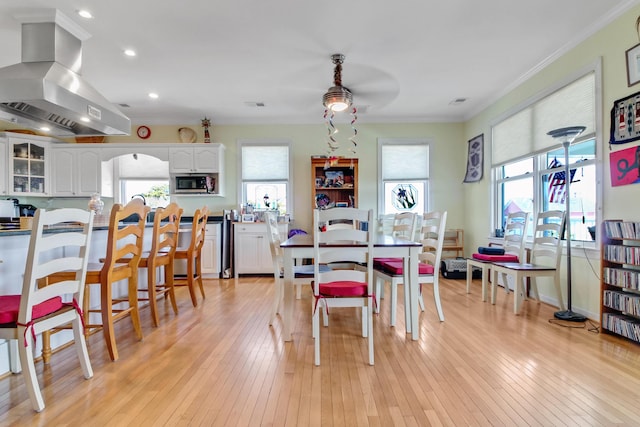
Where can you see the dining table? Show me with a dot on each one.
(300, 246)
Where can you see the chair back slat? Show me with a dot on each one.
(125, 242)
(515, 231)
(166, 226)
(547, 241)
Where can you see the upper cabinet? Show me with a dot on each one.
(196, 159)
(76, 171)
(199, 159)
(28, 167)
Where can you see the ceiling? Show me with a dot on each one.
(405, 61)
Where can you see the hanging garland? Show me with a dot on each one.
(332, 143)
(354, 117)
(331, 130)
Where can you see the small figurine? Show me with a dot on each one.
(205, 124)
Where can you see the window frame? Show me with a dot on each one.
(382, 142)
(265, 142)
(541, 169)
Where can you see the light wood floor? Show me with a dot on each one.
(221, 364)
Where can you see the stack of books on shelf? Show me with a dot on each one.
(622, 325)
(622, 229)
(621, 277)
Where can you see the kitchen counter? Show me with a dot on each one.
(27, 231)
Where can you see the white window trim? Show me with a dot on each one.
(404, 141)
(265, 142)
(595, 67)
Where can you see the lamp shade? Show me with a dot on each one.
(568, 134)
(337, 98)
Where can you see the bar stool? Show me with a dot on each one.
(166, 224)
(124, 243)
(193, 255)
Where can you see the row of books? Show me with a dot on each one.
(622, 254)
(621, 301)
(622, 229)
(622, 325)
(621, 277)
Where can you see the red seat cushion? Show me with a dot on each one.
(343, 289)
(396, 267)
(377, 262)
(10, 305)
(496, 258)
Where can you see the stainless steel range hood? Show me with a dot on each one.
(46, 88)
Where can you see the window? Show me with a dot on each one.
(143, 175)
(403, 166)
(155, 193)
(530, 175)
(264, 175)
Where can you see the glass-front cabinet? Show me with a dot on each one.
(28, 168)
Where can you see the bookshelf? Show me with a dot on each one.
(335, 183)
(620, 279)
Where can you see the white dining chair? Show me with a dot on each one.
(432, 239)
(38, 309)
(302, 275)
(513, 249)
(546, 254)
(403, 225)
(344, 286)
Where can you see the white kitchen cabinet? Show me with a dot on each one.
(210, 250)
(76, 171)
(196, 159)
(251, 247)
(28, 166)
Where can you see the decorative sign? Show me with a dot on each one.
(625, 120)
(625, 166)
(475, 159)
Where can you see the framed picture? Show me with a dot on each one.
(633, 65)
(248, 218)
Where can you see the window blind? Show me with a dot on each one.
(407, 162)
(526, 131)
(265, 162)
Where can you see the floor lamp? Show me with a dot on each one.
(568, 135)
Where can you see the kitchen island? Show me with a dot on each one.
(14, 246)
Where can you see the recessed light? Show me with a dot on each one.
(153, 95)
(85, 14)
(85, 119)
(130, 52)
(45, 129)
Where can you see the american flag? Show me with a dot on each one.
(557, 183)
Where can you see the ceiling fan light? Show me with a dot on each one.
(337, 98)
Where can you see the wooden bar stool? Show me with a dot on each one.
(124, 243)
(166, 224)
(193, 255)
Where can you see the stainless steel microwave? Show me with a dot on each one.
(194, 184)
